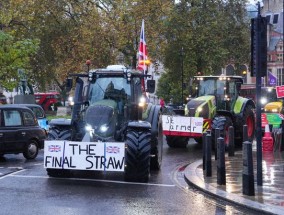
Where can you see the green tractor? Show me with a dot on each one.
(218, 102)
(112, 127)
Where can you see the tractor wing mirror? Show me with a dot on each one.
(69, 84)
(151, 86)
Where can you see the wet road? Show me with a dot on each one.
(26, 189)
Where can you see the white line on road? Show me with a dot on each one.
(85, 179)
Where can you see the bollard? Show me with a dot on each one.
(245, 133)
(217, 135)
(231, 145)
(221, 170)
(248, 178)
(204, 148)
(208, 167)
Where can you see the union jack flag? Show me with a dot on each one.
(142, 52)
(54, 148)
(112, 149)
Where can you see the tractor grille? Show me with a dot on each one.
(193, 105)
(100, 116)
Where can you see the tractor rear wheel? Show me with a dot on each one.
(249, 120)
(177, 141)
(223, 123)
(137, 155)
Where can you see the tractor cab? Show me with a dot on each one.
(224, 88)
(106, 99)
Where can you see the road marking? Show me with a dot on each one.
(85, 179)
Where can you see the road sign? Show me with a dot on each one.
(280, 91)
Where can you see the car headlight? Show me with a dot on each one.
(274, 110)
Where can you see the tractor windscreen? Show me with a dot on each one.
(108, 88)
(211, 87)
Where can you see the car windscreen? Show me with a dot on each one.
(38, 112)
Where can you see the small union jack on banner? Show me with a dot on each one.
(142, 52)
(112, 149)
(54, 148)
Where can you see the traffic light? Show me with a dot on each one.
(259, 46)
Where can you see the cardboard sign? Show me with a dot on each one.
(280, 91)
(103, 156)
(182, 126)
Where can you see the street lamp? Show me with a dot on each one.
(181, 55)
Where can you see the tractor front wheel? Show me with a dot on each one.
(223, 123)
(137, 155)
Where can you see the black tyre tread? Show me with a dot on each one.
(53, 134)
(177, 141)
(220, 122)
(137, 156)
(26, 152)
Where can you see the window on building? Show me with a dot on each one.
(275, 18)
(280, 76)
(279, 57)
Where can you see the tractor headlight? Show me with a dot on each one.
(103, 128)
(89, 128)
(90, 76)
(199, 109)
(263, 100)
(142, 101)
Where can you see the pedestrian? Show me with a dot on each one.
(162, 103)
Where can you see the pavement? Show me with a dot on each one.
(268, 199)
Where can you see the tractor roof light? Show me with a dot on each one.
(128, 76)
(90, 76)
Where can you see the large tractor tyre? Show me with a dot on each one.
(177, 141)
(223, 123)
(31, 150)
(65, 135)
(59, 173)
(53, 134)
(137, 155)
(249, 120)
(157, 150)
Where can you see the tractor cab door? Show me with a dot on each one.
(232, 94)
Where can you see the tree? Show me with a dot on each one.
(14, 55)
(211, 33)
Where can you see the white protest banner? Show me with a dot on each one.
(182, 126)
(103, 156)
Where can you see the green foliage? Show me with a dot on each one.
(14, 55)
(63, 34)
(212, 34)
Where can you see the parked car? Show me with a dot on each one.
(20, 132)
(39, 113)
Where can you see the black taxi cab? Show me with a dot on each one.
(20, 131)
